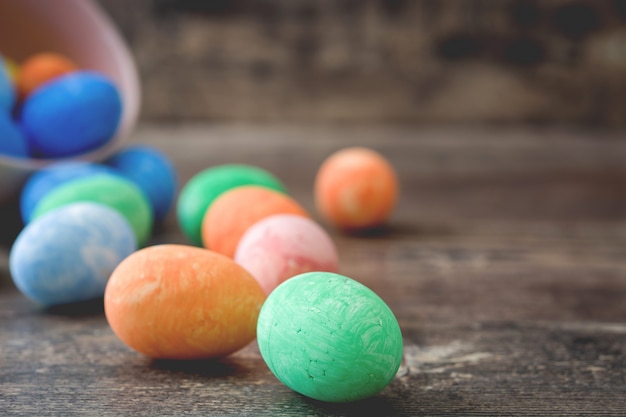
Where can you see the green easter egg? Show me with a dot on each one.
(201, 190)
(109, 190)
(329, 337)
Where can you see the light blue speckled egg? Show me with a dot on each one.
(68, 254)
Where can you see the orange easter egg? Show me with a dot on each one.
(232, 213)
(182, 302)
(40, 68)
(356, 188)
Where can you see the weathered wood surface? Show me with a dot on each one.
(391, 61)
(505, 264)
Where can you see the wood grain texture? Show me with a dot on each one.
(385, 61)
(505, 263)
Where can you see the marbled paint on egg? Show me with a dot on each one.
(284, 245)
(233, 212)
(182, 302)
(329, 337)
(202, 189)
(109, 189)
(68, 254)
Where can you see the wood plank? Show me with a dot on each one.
(505, 310)
(384, 61)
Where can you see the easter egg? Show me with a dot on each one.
(152, 171)
(72, 114)
(68, 254)
(233, 212)
(182, 302)
(12, 141)
(201, 190)
(110, 190)
(12, 69)
(51, 176)
(329, 337)
(7, 91)
(356, 188)
(284, 245)
(41, 68)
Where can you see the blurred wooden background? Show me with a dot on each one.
(380, 61)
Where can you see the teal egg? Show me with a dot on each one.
(329, 337)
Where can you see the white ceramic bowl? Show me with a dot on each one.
(82, 31)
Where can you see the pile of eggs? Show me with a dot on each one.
(50, 108)
(82, 219)
(258, 264)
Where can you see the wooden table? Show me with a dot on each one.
(505, 263)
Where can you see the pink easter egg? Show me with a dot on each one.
(284, 245)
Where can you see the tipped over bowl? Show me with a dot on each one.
(80, 30)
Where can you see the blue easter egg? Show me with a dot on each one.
(12, 141)
(7, 90)
(152, 172)
(68, 254)
(72, 114)
(50, 177)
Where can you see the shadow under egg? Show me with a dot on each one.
(91, 307)
(206, 368)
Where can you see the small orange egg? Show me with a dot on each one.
(356, 188)
(233, 212)
(40, 68)
(182, 302)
